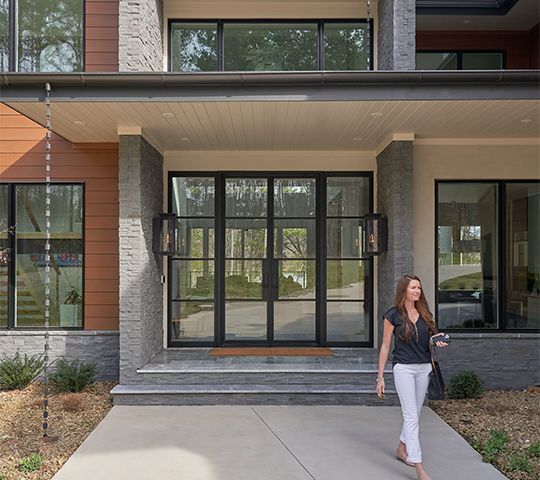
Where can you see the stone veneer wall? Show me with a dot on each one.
(99, 346)
(140, 45)
(395, 200)
(141, 291)
(502, 360)
(396, 35)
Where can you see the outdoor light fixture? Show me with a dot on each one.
(164, 234)
(376, 234)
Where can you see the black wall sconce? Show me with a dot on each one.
(164, 234)
(375, 234)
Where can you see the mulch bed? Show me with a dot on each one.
(517, 412)
(72, 417)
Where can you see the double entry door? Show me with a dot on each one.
(269, 259)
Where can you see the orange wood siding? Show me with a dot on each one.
(101, 36)
(516, 44)
(22, 158)
(534, 47)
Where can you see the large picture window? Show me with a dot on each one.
(42, 36)
(22, 266)
(488, 248)
(268, 46)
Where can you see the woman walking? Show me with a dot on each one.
(412, 325)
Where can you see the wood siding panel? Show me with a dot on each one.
(101, 36)
(96, 165)
(516, 44)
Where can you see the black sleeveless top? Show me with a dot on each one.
(416, 350)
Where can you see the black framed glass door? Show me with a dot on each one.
(270, 259)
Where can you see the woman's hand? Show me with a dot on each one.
(380, 388)
(439, 344)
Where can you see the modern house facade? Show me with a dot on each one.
(255, 141)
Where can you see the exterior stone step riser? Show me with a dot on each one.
(234, 378)
(256, 399)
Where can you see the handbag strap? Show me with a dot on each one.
(434, 352)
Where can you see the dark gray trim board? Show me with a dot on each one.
(273, 86)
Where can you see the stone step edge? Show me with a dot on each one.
(267, 370)
(239, 389)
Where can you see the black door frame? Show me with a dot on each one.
(321, 259)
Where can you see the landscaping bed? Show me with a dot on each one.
(72, 417)
(514, 413)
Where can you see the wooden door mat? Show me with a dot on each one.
(289, 352)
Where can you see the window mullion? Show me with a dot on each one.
(220, 43)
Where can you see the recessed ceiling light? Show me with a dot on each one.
(78, 122)
(168, 114)
(466, 22)
(376, 114)
(526, 120)
(184, 139)
(357, 139)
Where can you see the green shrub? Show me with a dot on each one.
(17, 373)
(72, 376)
(520, 463)
(534, 450)
(32, 463)
(465, 384)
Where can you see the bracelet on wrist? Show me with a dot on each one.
(380, 379)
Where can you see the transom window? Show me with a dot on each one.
(268, 46)
(460, 60)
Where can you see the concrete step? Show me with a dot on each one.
(250, 394)
(257, 375)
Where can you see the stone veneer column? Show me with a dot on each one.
(141, 291)
(395, 200)
(396, 35)
(140, 43)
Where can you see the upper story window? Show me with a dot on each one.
(460, 60)
(269, 46)
(41, 36)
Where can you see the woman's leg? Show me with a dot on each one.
(411, 383)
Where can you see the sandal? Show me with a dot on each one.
(403, 460)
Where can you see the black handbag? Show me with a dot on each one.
(436, 381)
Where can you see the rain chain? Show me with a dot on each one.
(368, 52)
(47, 255)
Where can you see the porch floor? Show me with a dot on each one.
(199, 359)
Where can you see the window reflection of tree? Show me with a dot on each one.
(50, 36)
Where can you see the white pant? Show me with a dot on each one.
(411, 384)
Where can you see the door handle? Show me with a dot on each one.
(275, 281)
(264, 283)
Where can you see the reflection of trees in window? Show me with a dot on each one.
(50, 36)
(4, 35)
(194, 48)
(345, 47)
(270, 48)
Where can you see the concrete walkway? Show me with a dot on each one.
(267, 443)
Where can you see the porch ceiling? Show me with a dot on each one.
(342, 116)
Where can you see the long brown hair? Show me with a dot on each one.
(421, 305)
